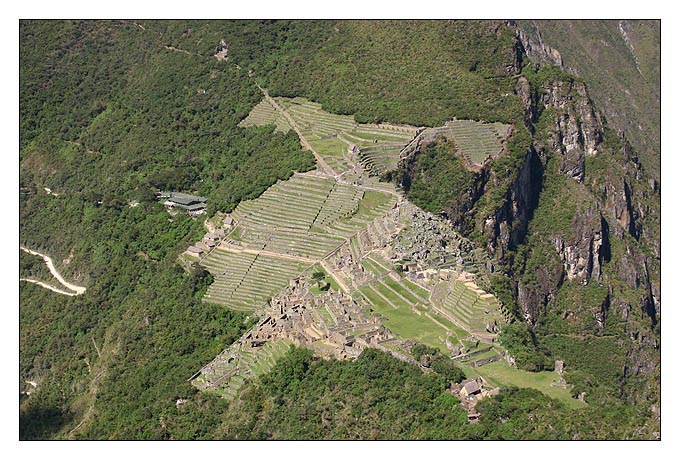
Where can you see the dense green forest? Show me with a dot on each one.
(113, 111)
(378, 397)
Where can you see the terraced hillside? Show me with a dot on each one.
(245, 281)
(341, 141)
(476, 141)
(307, 221)
(307, 216)
(471, 307)
(405, 305)
(230, 369)
(380, 146)
(290, 227)
(265, 114)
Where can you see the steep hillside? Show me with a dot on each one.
(577, 234)
(620, 60)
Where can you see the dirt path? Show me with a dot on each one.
(48, 286)
(50, 264)
(172, 48)
(292, 123)
(337, 278)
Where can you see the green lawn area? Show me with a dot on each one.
(235, 234)
(375, 300)
(372, 200)
(371, 266)
(394, 298)
(354, 244)
(406, 324)
(327, 279)
(400, 289)
(417, 289)
(458, 332)
(332, 147)
(501, 374)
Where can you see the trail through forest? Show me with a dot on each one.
(50, 265)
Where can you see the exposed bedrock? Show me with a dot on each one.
(578, 127)
(584, 252)
(507, 227)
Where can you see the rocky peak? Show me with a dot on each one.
(536, 50)
(578, 127)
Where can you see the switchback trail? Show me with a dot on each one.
(50, 265)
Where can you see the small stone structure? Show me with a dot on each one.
(470, 392)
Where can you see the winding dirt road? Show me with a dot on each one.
(48, 286)
(50, 265)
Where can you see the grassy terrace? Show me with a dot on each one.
(251, 363)
(477, 140)
(470, 307)
(245, 281)
(265, 114)
(404, 322)
(307, 216)
(432, 329)
(330, 135)
(373, 267)
(333, 151)
(502, 374)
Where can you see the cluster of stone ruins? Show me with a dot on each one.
(333, 323)
(405, 242)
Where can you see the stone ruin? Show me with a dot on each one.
(431, 242)
(470, 392)
(331, 324)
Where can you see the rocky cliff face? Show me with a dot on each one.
(584, 252)
(578, 127)
(532, 45)
(612, 204)
(507, 227)
(614, 239)
(568, 130)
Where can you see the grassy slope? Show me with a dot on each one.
(500, 373)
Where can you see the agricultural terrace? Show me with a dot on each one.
(296, 224)
(234, 367)
(499, 373)
(478, 141)
(306, 216)
(265, 114)
(470, 307)
(245, 281)
(341, 141)
(290, 227)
